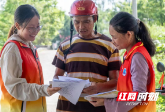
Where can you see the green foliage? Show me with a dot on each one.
(160, 105)
(64, 32)
(158, 34)
(105, 15)
(152, 11)
(51, 19)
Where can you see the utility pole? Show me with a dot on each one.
(134, 8)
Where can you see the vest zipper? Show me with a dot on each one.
(39, 72)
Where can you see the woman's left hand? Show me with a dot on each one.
(53, 90)
(97, 102)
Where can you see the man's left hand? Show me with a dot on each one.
(91, 89)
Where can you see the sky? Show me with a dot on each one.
(1, 2)
(65, 5)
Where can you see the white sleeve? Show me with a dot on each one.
(11, 69)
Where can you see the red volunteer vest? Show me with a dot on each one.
(124, 81)
(32, 72)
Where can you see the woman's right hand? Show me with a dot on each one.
(53, 90)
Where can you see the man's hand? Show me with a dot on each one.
(97, 102)
(58, 72)
(91, 89)
(103, 86)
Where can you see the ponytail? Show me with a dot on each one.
(144, 35)
(13, 30)
(123, 22)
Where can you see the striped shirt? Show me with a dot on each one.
(88, 59)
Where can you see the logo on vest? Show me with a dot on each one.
(124, 72)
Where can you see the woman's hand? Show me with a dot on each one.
(51, 90)
(97, 102)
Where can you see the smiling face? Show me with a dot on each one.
(122, 41)
(84, 25)
(30, 31)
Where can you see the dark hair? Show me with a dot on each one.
(123, 22)
(23, 15)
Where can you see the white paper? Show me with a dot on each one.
(71, 79)
(109, 94)
(71, 88)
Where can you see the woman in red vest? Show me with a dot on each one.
(137, 71)
(21, 77)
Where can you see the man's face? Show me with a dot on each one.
(84, 25)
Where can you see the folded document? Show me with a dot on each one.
(109, 94)
(71, 88)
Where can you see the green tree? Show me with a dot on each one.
(105, 15)
(51, 19)
(65, 31)
(152, 11)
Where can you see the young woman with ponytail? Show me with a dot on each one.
(21, 77)
(137, 71)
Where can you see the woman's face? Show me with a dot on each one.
(120, 40)
(31, 30)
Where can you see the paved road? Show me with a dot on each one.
(46, 57)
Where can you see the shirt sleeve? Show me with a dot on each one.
(11, 69)
(139, 71)
(58, 60)
(114, 62)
